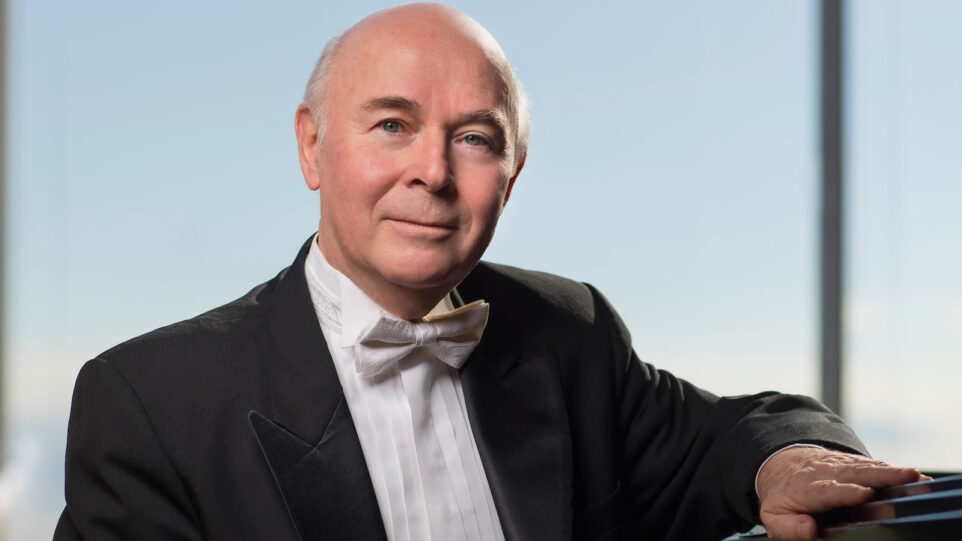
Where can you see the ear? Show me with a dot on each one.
(517, 171)
(306, 130)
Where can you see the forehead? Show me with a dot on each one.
(437, 69)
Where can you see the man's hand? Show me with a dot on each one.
(800, 481)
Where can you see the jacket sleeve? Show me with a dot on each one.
(688, 457)
(120, 482)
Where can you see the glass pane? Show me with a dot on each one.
(673, 166)
(904, 303)
(154, 176)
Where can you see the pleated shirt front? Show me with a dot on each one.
(411, 421)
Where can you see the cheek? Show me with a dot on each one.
(486, 196)
(360, 175)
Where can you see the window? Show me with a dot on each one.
(904, 302)
(153, 175)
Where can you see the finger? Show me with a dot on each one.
(816, 497)
(790, 527)
(871, 475)
(828, 493)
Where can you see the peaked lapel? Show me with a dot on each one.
(326, 487)
(514, 397)
(308, 439)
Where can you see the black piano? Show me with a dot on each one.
(923, 511)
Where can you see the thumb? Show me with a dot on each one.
(791, 527)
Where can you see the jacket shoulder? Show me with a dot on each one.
(536, 287)
(211, 335)
(535, 294)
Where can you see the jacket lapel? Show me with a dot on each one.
(308, 438)
(326, 486)
(514, 398)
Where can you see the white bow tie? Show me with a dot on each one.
(451, 337)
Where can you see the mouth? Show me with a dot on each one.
(422, 227)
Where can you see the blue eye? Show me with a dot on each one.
(474, 140)
(391, 126)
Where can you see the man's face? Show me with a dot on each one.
(415, 164)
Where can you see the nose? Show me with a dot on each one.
(430, 166)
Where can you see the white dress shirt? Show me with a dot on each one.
(411, 421)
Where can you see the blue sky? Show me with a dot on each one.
(155, 147)
(673, 165)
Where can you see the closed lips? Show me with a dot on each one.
(445, 225)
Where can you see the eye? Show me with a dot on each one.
(474, 140)
(391, 126)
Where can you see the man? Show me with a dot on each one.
(388, 386)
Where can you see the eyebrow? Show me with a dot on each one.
(392, 102)
(492, 117)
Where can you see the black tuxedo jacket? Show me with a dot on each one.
(232, 425)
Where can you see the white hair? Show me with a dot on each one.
(519, 112)
(316, 89)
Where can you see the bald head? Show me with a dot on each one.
(424, 21)
(424, 29)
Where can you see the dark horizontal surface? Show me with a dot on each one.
(928, 527)
(924, 497)
(927, 510)
(922, 487)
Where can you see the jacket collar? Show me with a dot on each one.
(513, 395)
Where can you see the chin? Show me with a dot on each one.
(426, 271)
